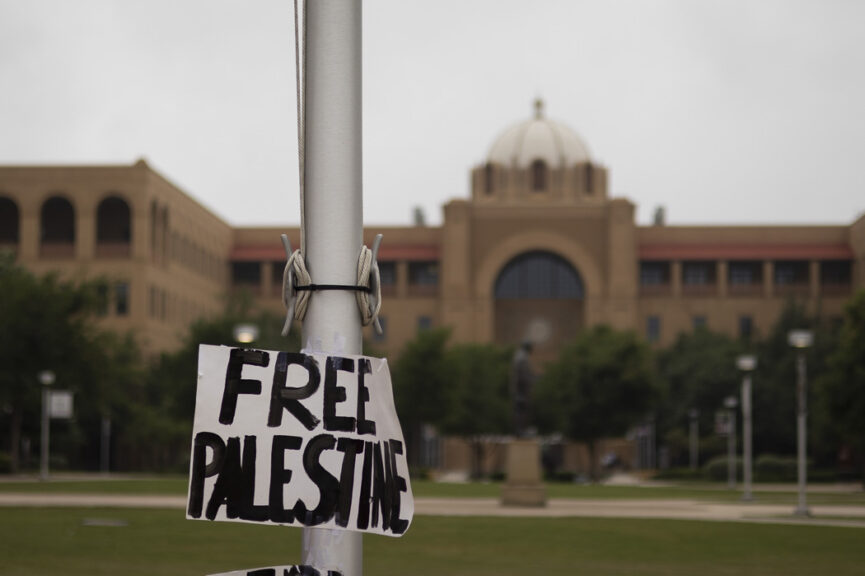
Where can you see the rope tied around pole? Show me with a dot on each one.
(297, 285)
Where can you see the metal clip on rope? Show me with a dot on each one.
(297, 285)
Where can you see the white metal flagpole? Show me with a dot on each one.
(333, 218)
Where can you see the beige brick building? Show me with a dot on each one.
(537, 251)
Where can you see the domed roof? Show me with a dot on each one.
(538, 139)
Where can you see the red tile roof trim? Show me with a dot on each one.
(745, 252)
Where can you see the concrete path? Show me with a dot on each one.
(823, 515)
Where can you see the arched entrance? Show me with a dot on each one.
(538, 298)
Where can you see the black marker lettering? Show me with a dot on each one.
(279, 476)
(364, 426)
(247, 508)
(235, 384)
(227, 488)
(328, 486)
(282, 396)
(397, 485)
(350, 448)
(201, 469)
(364, 501)
(334, 394)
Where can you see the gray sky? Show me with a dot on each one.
(728, 111)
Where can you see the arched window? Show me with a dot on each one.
(539, 298)
(165, 236)
(154, 232)
(538, 171)
(488, 178)
(539, 275)
(57, 228)
(113, 228)
(9, 222)
(590, 178)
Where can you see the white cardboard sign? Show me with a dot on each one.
(298, 439)
(299, 570)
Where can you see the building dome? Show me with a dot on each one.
(538, 139)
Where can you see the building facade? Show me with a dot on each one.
(537, 252)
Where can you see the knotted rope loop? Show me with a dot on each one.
(297, 285)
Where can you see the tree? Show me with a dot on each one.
(602, 383)
(479, 401)
(421, 384)
(842, 388)
(774, 392)
(697, 372)
(48, 324)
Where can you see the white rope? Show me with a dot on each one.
(369, 303)
(300, 89)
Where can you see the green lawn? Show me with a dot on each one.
(58, 541)
(177, 485)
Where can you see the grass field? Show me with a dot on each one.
(65, 541)
(176, 485)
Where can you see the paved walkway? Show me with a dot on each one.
(824, 515)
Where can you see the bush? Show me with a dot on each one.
(716, 469)
(773, 468)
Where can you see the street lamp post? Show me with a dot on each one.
(730, 403)
(746, 363)
(801, 340)
(694, 414)
(46, 379)
(245, 333)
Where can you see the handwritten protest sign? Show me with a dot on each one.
(298, 439)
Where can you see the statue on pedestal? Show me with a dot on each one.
(522, 379)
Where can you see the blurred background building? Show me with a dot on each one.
(537, 252)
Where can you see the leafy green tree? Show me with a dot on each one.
(697, 372)
(774, 391)
(479, 400)
(49, 324)
(602, 384)
(421, 380)
(842, 388)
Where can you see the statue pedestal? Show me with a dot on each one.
(523, 485)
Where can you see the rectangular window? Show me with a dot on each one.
(246, 273)
(791, 273)
(835, 272)
(746, 327)
(151, 301)
(423, 278)
(653, 329)
(746, 273)
(699, 323)
(654, 273)
(424, 323)
(121, 298)
(698, 273)
(387, 273)
(277, 269)
(423, 273)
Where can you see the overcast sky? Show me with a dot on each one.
(728, 111)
